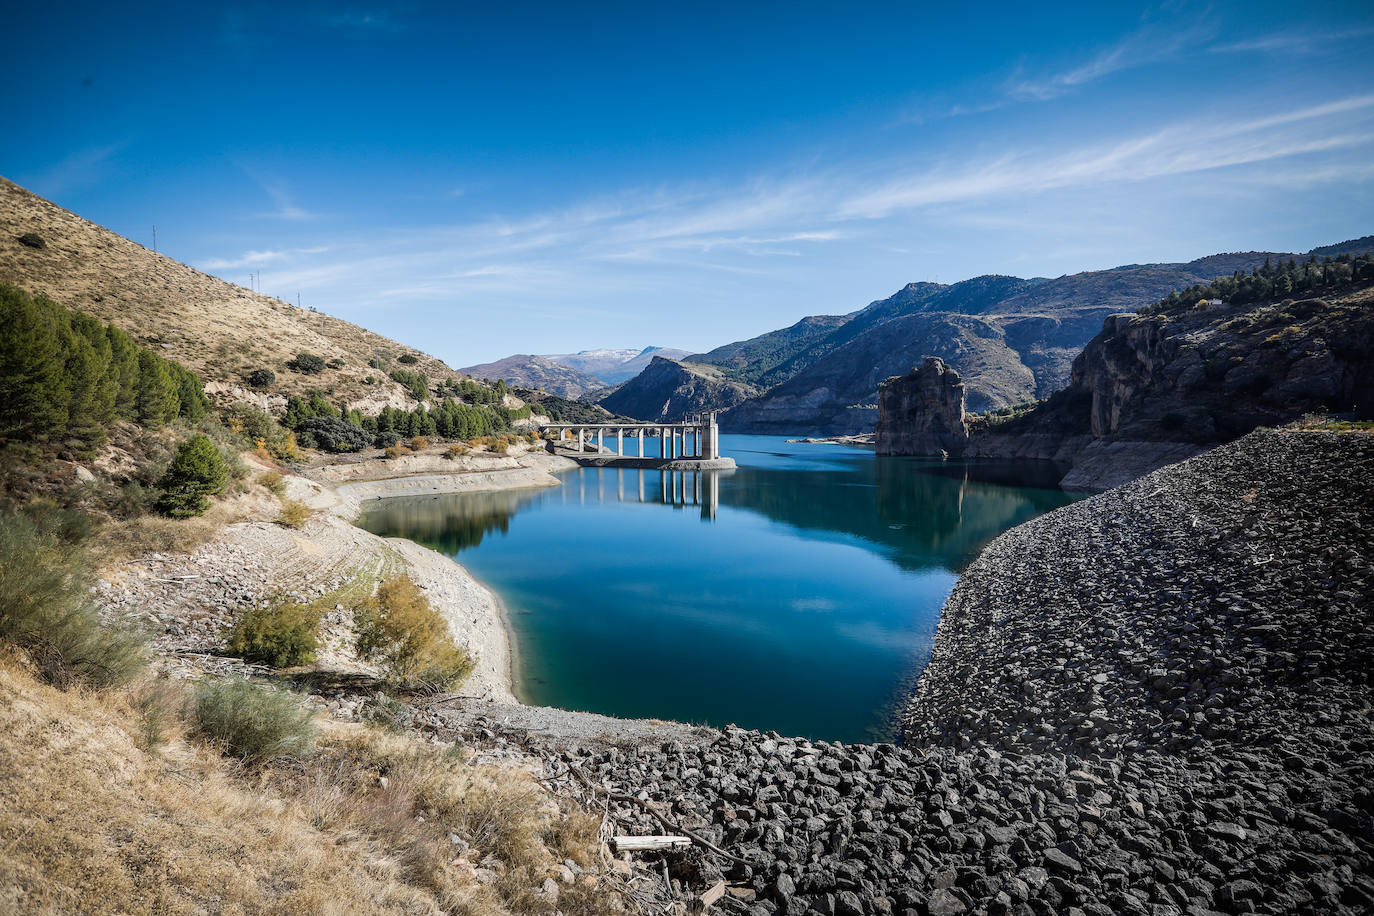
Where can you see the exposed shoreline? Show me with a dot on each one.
(1156, 700)
(496, 678)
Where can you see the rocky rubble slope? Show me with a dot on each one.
(1152, 702)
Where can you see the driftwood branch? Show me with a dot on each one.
(666, 822)
(649, 843)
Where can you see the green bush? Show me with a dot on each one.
(306, 363)
(32, 240)
(332, 434)
(281, 635)
(197, 472)
(251, 721)
(399, 629)
(408, 358)
(260, 378)
(46, 609)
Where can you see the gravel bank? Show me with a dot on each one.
(1152, 702)
(189, 600)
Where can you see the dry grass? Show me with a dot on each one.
(117, 541)
(92, 822)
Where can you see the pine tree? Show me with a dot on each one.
(124, 368)
(33, 393)
(197, 472)
(156, 400)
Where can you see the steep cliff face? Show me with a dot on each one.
(922, 412)
(1156, 388)
(667, 390)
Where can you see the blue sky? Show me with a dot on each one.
(485, 179)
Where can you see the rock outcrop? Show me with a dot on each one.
(1153, 389)
(922, 412)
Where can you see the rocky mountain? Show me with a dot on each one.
(613, 366)
(218, 330)
(756, 358)
(668, 390)
(1010, 339)
(529, 371)
(1169, 381)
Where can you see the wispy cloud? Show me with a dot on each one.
(259, 258)
(1172, 150)
(630, 246)
(1291, 42)
(283, 201)
(1149, 45)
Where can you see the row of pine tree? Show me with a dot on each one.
(66, 376)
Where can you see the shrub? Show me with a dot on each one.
(46, 610)
(281, 635)
(396, 451)
(252, 722)
(333, 434)
(273, 482)
(260, 378)
(399, 629)
(419, 444)
(387, 712)
(32, 240)
(408, 358)
(335, 363)
(306, 364)
(294, 514)
(455, 450)
(157, 705)
(197, 472)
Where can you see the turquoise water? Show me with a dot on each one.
(798, 593)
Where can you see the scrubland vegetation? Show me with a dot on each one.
(141, 793)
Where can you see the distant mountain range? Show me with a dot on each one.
(573, 375)
(1011, 339)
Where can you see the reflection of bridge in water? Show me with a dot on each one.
(692, 444)
(679, 489)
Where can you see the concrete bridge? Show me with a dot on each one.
(695, 442)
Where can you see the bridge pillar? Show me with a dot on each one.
(620, 442)
(581, 440)
(600, 439)
(640, 437)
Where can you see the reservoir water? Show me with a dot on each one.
(798, 593)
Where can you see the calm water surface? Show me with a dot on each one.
(798, 593)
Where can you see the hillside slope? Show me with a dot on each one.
(669, 391)
(218, 330)
(749, 360)
(1010, 339)
(530, 371)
